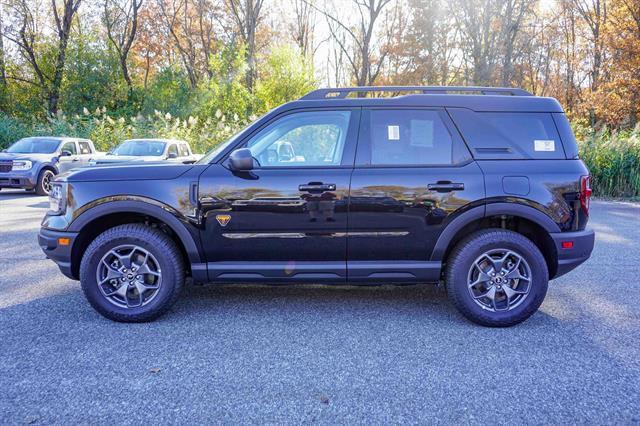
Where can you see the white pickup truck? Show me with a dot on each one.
(148, 150)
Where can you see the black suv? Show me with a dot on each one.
(478, 187)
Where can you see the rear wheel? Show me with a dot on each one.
(43, 186)
(132, 273)
(496, 277)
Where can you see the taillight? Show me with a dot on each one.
(585, 193)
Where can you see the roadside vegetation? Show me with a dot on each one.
(613, 158)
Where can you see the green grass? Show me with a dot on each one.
(613, 159)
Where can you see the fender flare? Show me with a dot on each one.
(479, 212)
(452, 228)
(140, 205)
(47, 165)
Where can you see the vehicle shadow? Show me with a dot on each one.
(40, 205)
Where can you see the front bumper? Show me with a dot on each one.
(50, 243)
(570, 258)
(14, 179)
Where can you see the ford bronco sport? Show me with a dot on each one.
(480, 188)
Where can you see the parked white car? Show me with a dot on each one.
(148, 150)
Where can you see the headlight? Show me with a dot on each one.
(21, 165)
(57, 198)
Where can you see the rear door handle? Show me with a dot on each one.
(317, 187)
(445, 186)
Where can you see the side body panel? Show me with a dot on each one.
(394, 216)
(550, 186)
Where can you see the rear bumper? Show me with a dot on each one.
(570, 258)
(49, 242)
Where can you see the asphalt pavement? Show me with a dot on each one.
(328, 355)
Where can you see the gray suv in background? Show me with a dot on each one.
(31, 163)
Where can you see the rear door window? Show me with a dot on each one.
(509, 135)
(85, 147)
(408, 137)
(184, 151)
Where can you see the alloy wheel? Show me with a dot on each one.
(499, 280)
(46, 180)
(129, 276)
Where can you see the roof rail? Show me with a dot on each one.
(341, 93)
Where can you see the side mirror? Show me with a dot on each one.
(172, 155)
(241, 160)
(65, 153)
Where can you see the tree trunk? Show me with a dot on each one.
(63, 27)
(3, 72)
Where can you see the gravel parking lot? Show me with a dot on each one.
(255, 354)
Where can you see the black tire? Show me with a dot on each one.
(169, 260)
(41, 186)
(461, 260)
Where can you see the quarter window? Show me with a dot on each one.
(409, 137)
(184, 151)
(313, 138)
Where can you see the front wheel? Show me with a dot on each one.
(132, 273)
(496, 277)
(43, 186)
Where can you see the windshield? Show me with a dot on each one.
(140, 148)
(34, 146)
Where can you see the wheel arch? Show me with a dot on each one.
(524, 219)
(47, 166)
(107, 214)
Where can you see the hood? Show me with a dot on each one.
(127, 172)
(111, 159)
(24, 156)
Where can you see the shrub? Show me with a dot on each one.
(613, 159)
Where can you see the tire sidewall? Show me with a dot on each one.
(471, 251)
(89, 283)
(40, 189)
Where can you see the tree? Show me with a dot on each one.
(121, 22)
(248, 16)
(192, 24)
(490, 29)
(357, 41)
(63, 22)
(424, 46)
(594, 14)
(513, 14)
(303, 26)
(3, 70)
(27, 36)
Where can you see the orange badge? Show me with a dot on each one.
(223, 219)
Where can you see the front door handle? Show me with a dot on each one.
(317, 187)
(445, 186)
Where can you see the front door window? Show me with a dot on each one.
(304, 139)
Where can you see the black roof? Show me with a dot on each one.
(474, 98)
